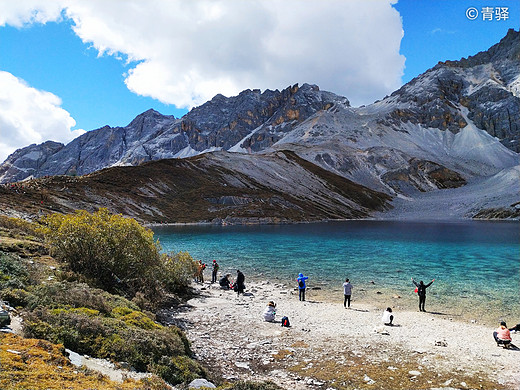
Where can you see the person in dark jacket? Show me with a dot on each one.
(214, 271)
(239, 284)
(224, 282)
(421, 291)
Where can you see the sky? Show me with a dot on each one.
(70, 66)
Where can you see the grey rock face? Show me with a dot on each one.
(485, 84)
(27, 162)
(218, 124)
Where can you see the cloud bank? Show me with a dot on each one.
(188, 51)
(29, 116)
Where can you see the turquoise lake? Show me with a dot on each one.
(476, 264)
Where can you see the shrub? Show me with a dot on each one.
(15, 296)
(119, 334)
(115, 252)
(178, 369)
(13, 272)
(67, 294)
(178, 271)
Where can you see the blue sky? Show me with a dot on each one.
(83, 67)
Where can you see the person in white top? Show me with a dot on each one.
(347, 291)
(388, 317)
(270, 311)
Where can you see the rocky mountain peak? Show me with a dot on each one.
(27, 162)
(508, 49)
(150, 116)
(484, 88)
(481, 91)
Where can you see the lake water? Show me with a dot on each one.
(476, 264)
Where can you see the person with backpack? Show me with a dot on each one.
(421, 291)
(301, 286)
(347, 293)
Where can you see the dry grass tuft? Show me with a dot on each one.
(40, 365)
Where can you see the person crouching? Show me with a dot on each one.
(502, 335)
(388, 317)
(270, 312)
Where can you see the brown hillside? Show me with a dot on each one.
(216, 187)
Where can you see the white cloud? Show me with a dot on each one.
(29, 116)
(22, 12)
(192, 50)
(188, 51)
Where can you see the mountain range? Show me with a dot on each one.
(449, 137)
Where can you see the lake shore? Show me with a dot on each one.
(329, 346)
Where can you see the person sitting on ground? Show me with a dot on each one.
(502, 335)
(270, 311)
(224, 282)
(388, 317)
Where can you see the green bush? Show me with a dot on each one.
(13, 272)
(178, 369)
(110, 328)
(73, 294)
(117, 254)
(178, 271)
(114, 252)
(15, 296)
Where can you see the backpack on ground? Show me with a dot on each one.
(285, 321)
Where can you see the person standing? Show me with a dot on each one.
(239, 284)
(214, 271)
(421, 291)
(347, 292)
(301, 286)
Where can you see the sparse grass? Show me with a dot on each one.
(250, 386)
(357, 373)
(300, 344)
(282, 354)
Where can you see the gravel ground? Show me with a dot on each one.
(328, 346)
